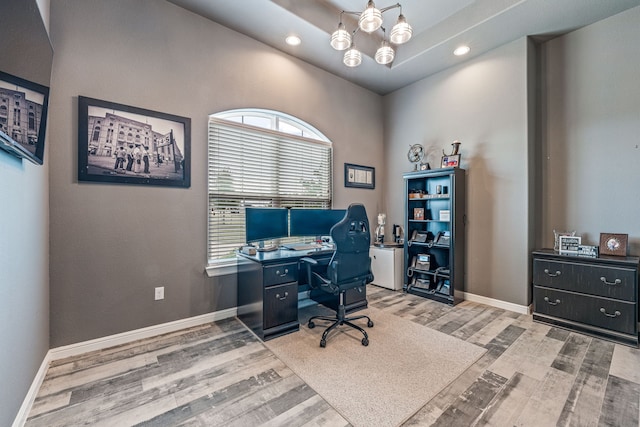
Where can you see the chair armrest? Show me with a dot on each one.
(309, 263)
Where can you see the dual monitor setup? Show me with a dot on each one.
(275, 223)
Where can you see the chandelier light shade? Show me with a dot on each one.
(341, 38)
(401, 32)
(385, 53)
(370, 20)
(352, 57)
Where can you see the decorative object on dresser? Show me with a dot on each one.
(556, 236)
(613, 244)
(597, 296)
(434, 255)
(569, 244)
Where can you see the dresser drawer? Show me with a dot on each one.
(615, 315)
(593, 279)
(280, 273)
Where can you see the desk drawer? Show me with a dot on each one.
(601, 280)
(605, 313)
(280, 305)
(280, 273)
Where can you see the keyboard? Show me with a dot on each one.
(301, 246)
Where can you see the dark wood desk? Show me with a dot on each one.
(268, 286)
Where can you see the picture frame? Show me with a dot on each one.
(359, 176)
(26, 104)
(556, 236)
(569, 244)
(614, 244)
(450, 161)
(418, 213)
(129, 145)
(588, 251)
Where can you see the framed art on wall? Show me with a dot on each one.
(23, 117)
(124, 144)
(359, 176)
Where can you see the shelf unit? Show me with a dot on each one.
(435, 207)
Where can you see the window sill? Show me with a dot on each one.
(222, 268)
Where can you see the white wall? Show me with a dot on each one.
(112, 244)
(591, 144)
(482, 103)
(24, 237)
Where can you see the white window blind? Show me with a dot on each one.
(257, 167)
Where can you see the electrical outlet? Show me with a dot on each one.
(159, 293)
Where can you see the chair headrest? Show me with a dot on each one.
(352, 233)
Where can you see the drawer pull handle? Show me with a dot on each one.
(286, 271)
(557, 273)
(615, 282)
(556, 302)
(603, 311)
(286, 294)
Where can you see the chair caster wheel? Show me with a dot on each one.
(311, 325)
(323, 343)
(365, 342)
(370, 324)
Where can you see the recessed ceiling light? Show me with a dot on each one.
(293, 40)
(461, 50)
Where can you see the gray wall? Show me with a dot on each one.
(591, 145)
(483, 103)
(112, 244)
(24, 222)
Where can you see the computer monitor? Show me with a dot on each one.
(265, 224)
(313, 222)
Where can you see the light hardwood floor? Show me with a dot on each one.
(221, 374)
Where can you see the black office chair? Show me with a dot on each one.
(350, 267)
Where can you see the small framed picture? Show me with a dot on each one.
(359, 176)
(613, 244)
(450, 161)
(569, 244)
(588, 251)
(418, 213)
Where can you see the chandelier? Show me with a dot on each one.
(371, 20)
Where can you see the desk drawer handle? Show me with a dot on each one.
(616, 314)
(286, 271)
(556, 302)
(557, 273)
(286, 294)
(615, 282)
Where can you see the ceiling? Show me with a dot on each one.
(439, 26)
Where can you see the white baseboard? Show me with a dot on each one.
(522, 309)
(106, 342)
(129, 336)
(27, 403)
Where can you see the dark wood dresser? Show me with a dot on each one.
(595, 296)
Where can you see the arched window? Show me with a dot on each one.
(261, 158)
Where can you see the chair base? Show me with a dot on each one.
(339, 320)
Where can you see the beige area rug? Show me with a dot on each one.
(404, 366)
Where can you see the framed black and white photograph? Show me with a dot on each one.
(569, 244)
(124, 144)
(23, 117)
(359, 176)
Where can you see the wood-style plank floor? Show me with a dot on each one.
(220, 374)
